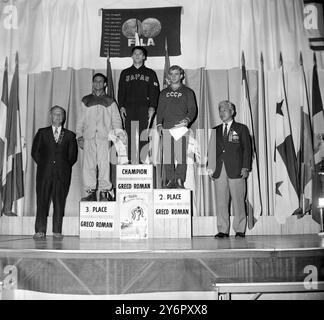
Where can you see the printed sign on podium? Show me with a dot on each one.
(134, 178)
(172, 213)
(134, 189)
(98, 220)
(135, 209)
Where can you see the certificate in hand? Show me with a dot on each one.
(177, 132)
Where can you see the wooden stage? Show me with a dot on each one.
(120, 267)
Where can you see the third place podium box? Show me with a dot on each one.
(172, 213)
(99, 220)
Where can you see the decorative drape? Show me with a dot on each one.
(61, 34)
(66, 88)
(59, 41)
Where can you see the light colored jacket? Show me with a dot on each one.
(97, 117)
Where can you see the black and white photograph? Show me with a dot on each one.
(161, 155)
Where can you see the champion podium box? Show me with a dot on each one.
(134, 189)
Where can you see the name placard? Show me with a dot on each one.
(134, 178)
(172, 203)
(97, 216)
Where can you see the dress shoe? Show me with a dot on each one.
(169, 185)
(57, 236)
(91, 196)
(39, 236)
(221, 235)
(180, 184)
(240, 234)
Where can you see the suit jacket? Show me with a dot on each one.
(54, 159)
(235, 152)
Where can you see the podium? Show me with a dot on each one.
(99, 220)
(139, 212)
(172, 213)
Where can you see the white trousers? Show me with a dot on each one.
(96, 153)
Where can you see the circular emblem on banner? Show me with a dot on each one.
(129, 28)
(149, 28)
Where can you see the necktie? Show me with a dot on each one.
(225, 131)
(56, 135)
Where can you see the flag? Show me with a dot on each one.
(263, 147)
(110, 84)
(156, 141)
(253, 195)
(305, 155)
(14, 187)
(137, 39)
(285, 159)
(121, 29)
(318, 135)
(3, 116)
(166, 81)
(111, 93)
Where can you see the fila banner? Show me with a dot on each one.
(153, 26)
(314, 23)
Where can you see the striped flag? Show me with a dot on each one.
(285, 160)
(137, 39)
(253, 196)
(318, 132)
(306, 152)
(156, 142)
(166, 81)
(3, 116)
(111, 93)
(110, 83)
(14, 186)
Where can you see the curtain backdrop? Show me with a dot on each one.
(66, 88)
(63, 34)
(58, 42)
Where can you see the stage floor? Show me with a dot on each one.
(112, 267)
(201, 244)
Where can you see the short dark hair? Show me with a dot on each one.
(63, 111)
(98, 74)
(140, 48)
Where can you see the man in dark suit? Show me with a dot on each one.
(229, 165)
(55, 151)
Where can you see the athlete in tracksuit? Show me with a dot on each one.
(177, 108)
(138, 93)
(99, 115)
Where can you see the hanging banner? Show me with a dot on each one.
(153, 25)
(314, 23)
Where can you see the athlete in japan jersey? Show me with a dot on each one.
(138, 88)
(138, 93)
